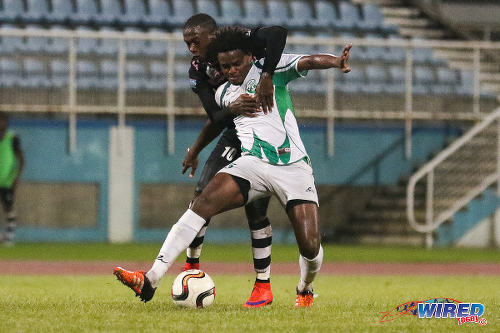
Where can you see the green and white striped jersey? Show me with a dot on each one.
(272, 137)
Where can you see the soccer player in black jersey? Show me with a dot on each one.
(204, 79)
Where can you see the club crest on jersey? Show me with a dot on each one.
(251, 86)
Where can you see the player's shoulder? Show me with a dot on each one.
(221, 92)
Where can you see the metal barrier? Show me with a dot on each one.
(151, 78)
(457, 175)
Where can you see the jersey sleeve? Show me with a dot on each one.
(195, 77)
(219, 95)
(286, 71)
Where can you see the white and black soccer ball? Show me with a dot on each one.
(194, 289)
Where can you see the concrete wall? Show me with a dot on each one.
(126, 187)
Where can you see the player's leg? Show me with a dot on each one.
(224, 152)
(7, 199)
(222, 193)
(304, 218)
(294, 185)
(261, 234)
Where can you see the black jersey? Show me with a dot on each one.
(204, 78)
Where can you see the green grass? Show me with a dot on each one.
(345, 304)
(238, 253)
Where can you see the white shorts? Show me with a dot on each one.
(288, 182)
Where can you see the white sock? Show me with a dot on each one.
(178, 239)
(308, 270)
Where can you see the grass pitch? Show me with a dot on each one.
(345, 304)
(243, 253)
(99, 303)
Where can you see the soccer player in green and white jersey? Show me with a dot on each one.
(273, 161)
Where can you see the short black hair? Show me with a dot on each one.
(229, 39)
(203, 21)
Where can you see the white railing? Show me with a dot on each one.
(457, 175)
(167, 101)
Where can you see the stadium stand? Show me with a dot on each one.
(318, 18)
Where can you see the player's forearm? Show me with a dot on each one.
(275, 41)
(318, 61)
(208, 133)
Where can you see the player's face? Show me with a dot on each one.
(197, 40)
(235, 65)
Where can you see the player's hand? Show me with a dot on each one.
(246, 105)
(190, 161)
(344, 58)
(265, 92)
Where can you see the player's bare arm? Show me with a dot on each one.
(208, 133)
(325, 61)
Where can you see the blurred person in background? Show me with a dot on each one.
(11, 168)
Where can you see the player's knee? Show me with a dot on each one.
(201, 205)
(310, 247)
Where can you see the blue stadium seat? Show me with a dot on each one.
(13, 10)
(232, 13)
(58, 45)
(111, 11)
(108, 78)
(373, 53)
(466, 86)
(305, 86)
(158, 79)
(425, 55)
(35, 44)
(59, 70)
(108, 46)
(396, 53)
(373, 19)
(302, 48)
(447, 82)
(62, 12)
(182, 10)
(136, 75)
(423, 78)
(255, 13)
(135, 46)
(10, 73)
(302, 15)
(349, 16)
(37, 11)
(85, 45)
(208, 7)
(10, 44)
(278, 13)
(396, 83)
(159, 12)
(326, 14)
(352, 82)
(156, 48)
(135, 12)
(86, 12)
(86, 73)
(377, 78)
(35, 74)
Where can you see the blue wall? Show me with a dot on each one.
(356, 148)
(45, 145)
